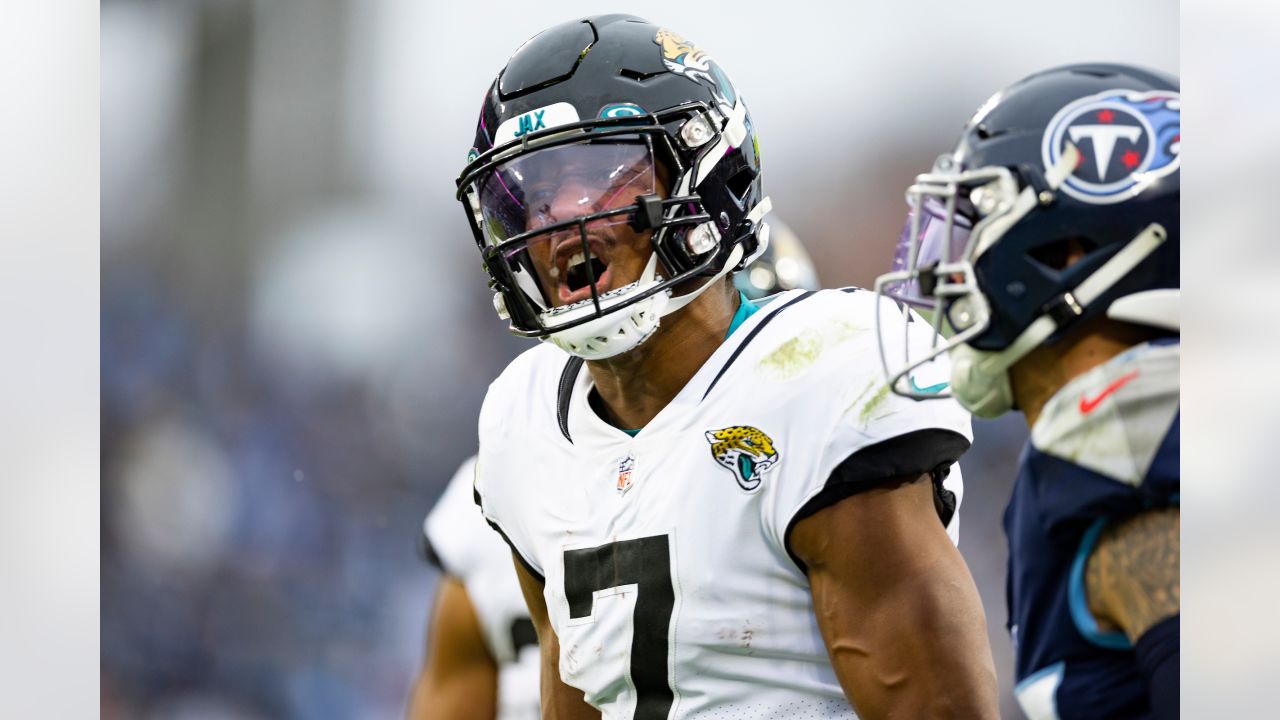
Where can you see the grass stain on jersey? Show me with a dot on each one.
(861, 395)
(876, 401)
(795, 356)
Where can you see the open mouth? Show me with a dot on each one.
(575, 279)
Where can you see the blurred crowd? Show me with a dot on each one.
(257, 543)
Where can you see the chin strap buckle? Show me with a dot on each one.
(1064, 309)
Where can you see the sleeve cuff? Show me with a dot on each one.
(887, 464)
(1078, 599)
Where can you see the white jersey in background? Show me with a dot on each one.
(668, 576)
(465, 547)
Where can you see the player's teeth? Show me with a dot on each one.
(578, 259)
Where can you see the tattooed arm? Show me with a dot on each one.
(1132, 584)
(1132, 576)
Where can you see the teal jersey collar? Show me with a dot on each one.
(746, 309)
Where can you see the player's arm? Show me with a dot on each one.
(897, 607)
(1132, 582)
(559, 701)
(460, 678)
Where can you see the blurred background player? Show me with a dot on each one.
(784, 265)
(1045, 249)
(482, 660)
(716, 508)
(482, 655)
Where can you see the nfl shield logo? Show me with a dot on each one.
(625, 467)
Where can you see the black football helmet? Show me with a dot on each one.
(1081, 159)
(662, 144)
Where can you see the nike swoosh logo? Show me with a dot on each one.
(1088, 405)
(928, 390)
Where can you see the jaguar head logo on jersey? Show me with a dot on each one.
(745, 451)
(1127, 141)
(683, 58)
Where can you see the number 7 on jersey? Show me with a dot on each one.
(646, 563)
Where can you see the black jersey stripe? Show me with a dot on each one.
(750, 336)
(889, 463)
(524, 562)
(565, 393)
(428, 552)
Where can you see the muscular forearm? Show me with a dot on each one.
(919, 651)
(897, 607)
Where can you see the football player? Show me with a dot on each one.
(1045, 250)
(482, 660)
(716, 510)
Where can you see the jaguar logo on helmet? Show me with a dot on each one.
(684, 58)
(1127, 141)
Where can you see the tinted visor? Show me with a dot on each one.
(561, 183)
(922, 253)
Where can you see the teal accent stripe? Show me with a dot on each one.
(1056, 671)
(1080, 615)
(746, 309)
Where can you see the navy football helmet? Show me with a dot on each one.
(654, 144)
(1081, 160)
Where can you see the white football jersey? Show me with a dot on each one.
(468, 549)
(665, 559)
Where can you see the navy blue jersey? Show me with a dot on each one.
(1104, 448)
